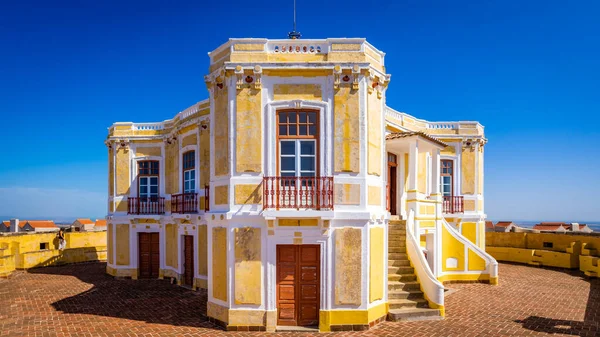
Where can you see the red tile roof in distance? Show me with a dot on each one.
(85, 221)
(489, 224)
(504, 223)
(100, 223)
(38, 223)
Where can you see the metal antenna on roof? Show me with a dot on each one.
(294, 34)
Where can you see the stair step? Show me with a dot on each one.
(396, 232)
(406, 286)
(590, 273)
(402, 278)
(406, 303)
(397, 255)
(413, 314)
(398, 261)
(396, 243)
(397, 222)
(403, 270)
(402, 294)
(396, 249)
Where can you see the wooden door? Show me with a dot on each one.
(149, 255)
(298, 285)
(188, 262)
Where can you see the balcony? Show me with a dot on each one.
(146, 205)
(184, 203)
(452, 204)
(298, 193)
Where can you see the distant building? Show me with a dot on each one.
(16, 225)
(100, 225)
(562, 227)
(82, 225)
(577, 227)
(504, 226)
(489, 226)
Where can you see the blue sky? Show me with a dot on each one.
(527, 70)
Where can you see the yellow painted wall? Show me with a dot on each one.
(298, 222)
(376, 264)
(248, 134)
(347, 194)
(310, 92)
(348, 268)
(172, 168)
(171, 245)
(109, 242)
(111, 173)
(122, 174)
(468, 171)
(148, 151)
(248, 266)
(469, 230)
(122, 244)
(374, 116)
(202, 250)
(204, 158)
(346, 130)
(452, 248)
(122, 206)
(221, 131)
(480, 172)
(475, 261)
(422, 174)
(248, 194)
(189, 140)
(374, 195)
(219, 263)
(221, 195)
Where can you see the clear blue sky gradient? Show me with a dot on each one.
(529, 71)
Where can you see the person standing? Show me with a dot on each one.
(61, 239)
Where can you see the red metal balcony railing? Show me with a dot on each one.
(184, 203)
(298, 192)
(146, 205)
(206, 199)
(452, 204)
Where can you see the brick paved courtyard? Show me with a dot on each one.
(80, 300)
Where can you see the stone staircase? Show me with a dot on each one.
(404, 295)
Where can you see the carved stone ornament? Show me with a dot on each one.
(355, 74)
(257, 76)
(337, 71)
(239, 74)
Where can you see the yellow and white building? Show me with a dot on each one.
(296, 196)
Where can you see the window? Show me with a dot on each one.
(44, 245)
(148, 179)
(297, 133)
(447, 177)
(189, 172)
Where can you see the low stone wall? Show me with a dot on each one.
(572, 251)
(32, 250)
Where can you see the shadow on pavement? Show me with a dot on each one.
(151, 301)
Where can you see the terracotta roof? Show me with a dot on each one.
(504, 223)
(38, 223)
(551, 226)
(100, 223)
(489, 224)
(6, 223)
(85, 221)
(397, 135)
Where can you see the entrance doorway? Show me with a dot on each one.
(149, 255)
(392, 183)
(188, 260)
(298, 285)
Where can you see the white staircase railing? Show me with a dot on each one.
(491, 264)
(431, 287)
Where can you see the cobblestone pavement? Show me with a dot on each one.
(80, 300)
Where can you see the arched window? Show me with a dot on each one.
(189, 172)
